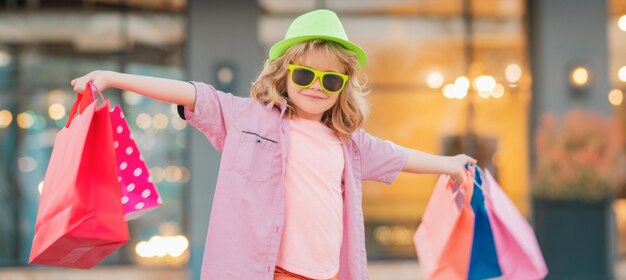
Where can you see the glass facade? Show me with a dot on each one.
(36, 97)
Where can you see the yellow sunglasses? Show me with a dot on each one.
(304, 77)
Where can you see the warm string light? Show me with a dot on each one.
(434, 80)
(394, 235)
(579, 76)
(5, 118)
(160, 121)
(486, 86)
(616, 97)
(170, 174)
(513, 73)
(161, 246)
(621, 74)
(458, 90)
(621, 23)
(143, 121)
(56, 111)
(26, 120)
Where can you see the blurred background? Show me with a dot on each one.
(533, 89)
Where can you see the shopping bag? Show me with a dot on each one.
(516, 244)
(80, 219)
(443, 240)
(484, 259)
(139, 194)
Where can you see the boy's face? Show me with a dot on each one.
(311, 103)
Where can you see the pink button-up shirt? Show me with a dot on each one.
(248, 211)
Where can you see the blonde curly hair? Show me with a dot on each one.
(349, 112)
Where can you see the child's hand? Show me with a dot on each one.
(456, 167)
(98, 78)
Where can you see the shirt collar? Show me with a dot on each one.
(281, 106)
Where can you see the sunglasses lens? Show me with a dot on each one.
(332, 82)
(302, 77)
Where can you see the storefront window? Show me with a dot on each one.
(36, 97)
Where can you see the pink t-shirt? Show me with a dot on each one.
(313, 231)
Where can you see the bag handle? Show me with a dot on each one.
(478, 172)
(464, 191)
(90, 92)
(82, 101)
(73, 111)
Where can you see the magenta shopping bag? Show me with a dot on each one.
(518, 252)
(139, 195)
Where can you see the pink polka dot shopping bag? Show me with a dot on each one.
(139, 195)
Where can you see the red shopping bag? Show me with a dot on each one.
(521, 257)
(443, 240)
(139, 195)
(80, 219)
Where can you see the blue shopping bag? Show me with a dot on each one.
(483, 260)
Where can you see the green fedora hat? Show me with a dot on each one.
(319, 24)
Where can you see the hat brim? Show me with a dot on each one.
(281, 47)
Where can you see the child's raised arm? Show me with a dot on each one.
(167, 90)
(422, 162)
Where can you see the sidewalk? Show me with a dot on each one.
(409, 270)
(401, 270)
(378, 270)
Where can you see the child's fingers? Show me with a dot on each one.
(79, 87)
(471, 160)
(461, 175)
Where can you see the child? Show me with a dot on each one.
(288, 197)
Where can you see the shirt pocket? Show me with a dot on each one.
(257, 156)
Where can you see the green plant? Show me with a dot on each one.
(580, 156)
